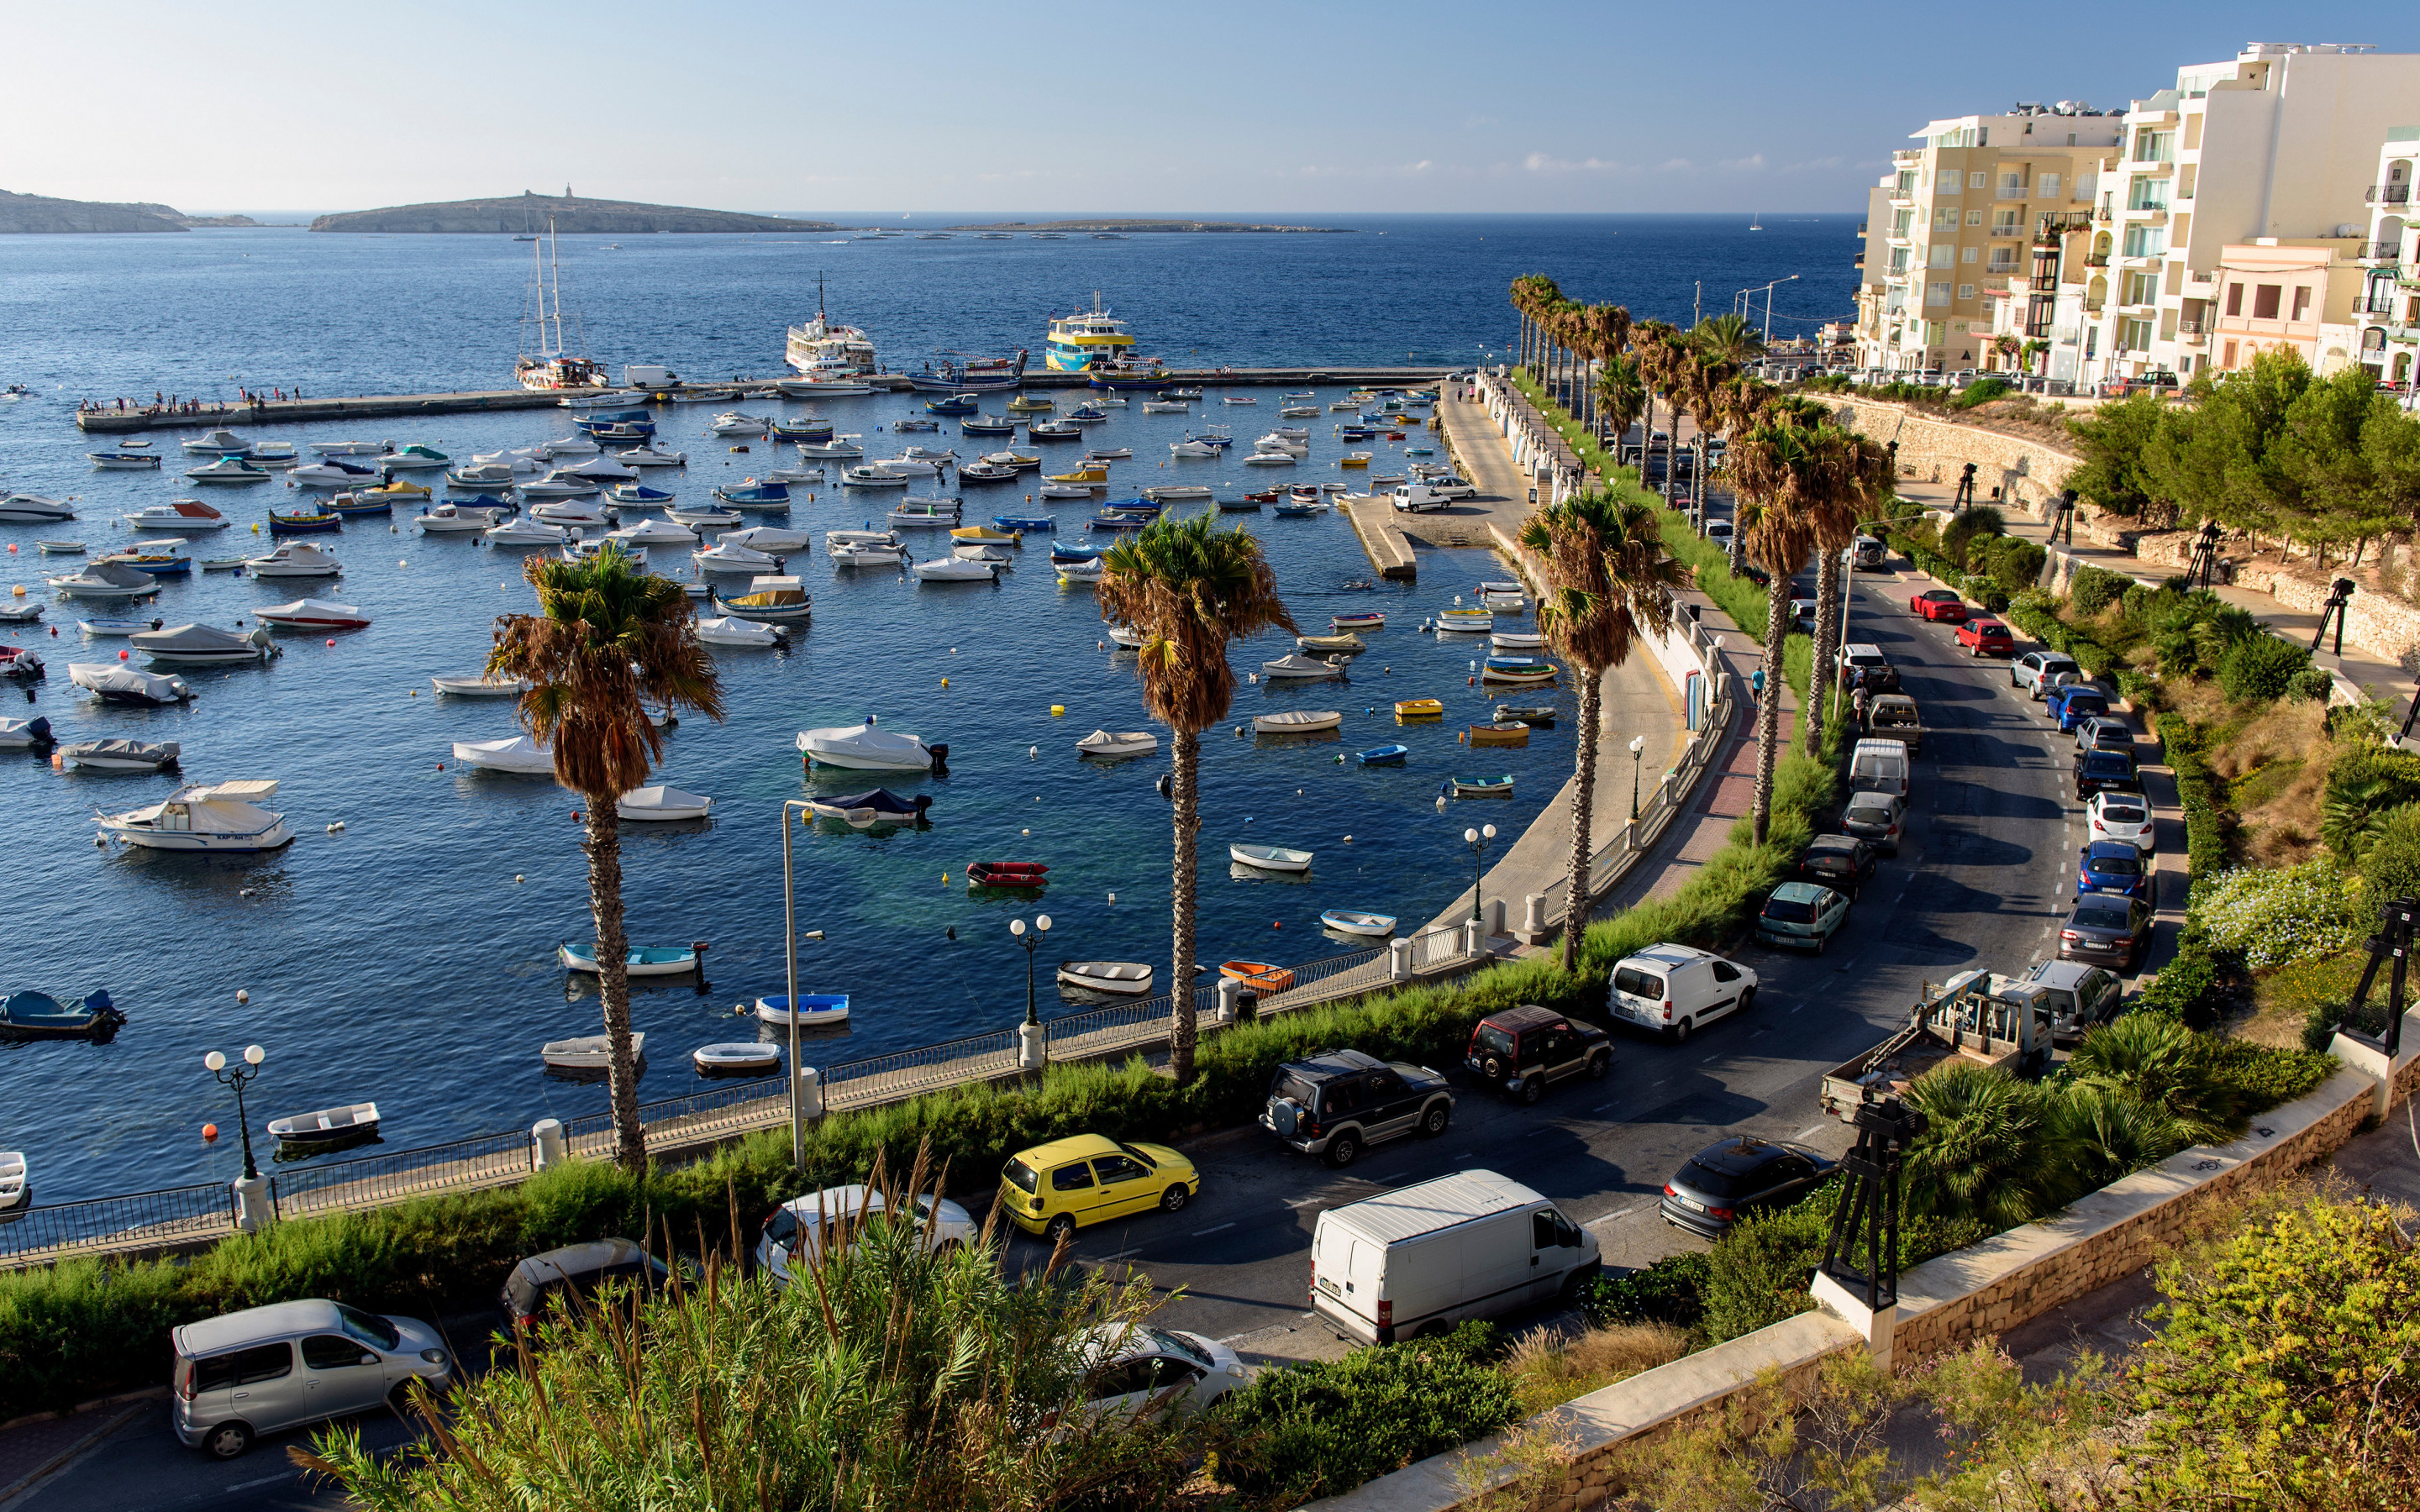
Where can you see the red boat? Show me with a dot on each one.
(1006, 874)
(1267, 497)
(1394, 435)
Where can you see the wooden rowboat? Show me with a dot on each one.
(1261, 976)
(1511, 734)
(1353, 921)
(1419, 709)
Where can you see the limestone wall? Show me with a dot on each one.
(2028, 473)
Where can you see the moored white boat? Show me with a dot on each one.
(1297, 722)
(185, 516)
(1302, 669)
(355, 1122)
(518, 755)
(731, 630)
(113, 682)
(588, 1055)
(955, 569)
(294, 559)
(202, 645)
(528, 532)
(106, 579)
(1353, 921)
(1271, 858)
(869, 747)
(814, 1009)
(121, 755)
(768, 538)
(478, 685)
(736, 1059)
(640, 960)
(663, 804)
(1118, 743)
(1121, 979)
(312, 614)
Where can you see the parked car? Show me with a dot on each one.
(1841, 862)
(1867, 552)
(2108, 930)
(2105, 771)
(1881, 676)
(2114, 814)
(2078, 996)
(1938, 604)
(1418, 1259)
(1450, 486)
(1054, 1189)
(2071, 703)
(1754, 574)
(1132, 1367)
(582, 1270)
(1880, 765)
(1894, 717)
(1801, 916)
(1802, 614)
(1521, 1050)
(1677, 989)
(1338, 1102)
(1875, 818)
(802, 1227)
(2027, 670)
(1986, 638)
(2113, 866)
(1725, 1182)
(2104, 731)
(238, 1376)
(1719, 532)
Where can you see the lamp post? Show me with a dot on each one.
(1031, 941)
(1477, 840)
(253, 1056)
(1638, 749)
(790, 938)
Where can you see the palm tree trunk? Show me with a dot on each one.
(1827, 635)
(1576, 898)
(1768, 707)
(1185, 792)
(604, 848)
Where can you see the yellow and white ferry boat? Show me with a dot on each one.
(1088, 339)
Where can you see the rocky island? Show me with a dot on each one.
(526, 214)
(1149, 227)
(38, 215)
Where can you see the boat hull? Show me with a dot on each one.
(276, 837)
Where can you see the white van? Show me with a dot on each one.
(1879, 767)
(1411, 498)
(247, 1373)
(1420, 1259)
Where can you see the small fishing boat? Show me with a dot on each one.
(1384, 755)
(639, 495)
(750, 1058)
(121, 755)
(413, 456)
(1261, 976)
(25, 734)
(1109, 743)
(1372, 620)
(867, 554)
(1246, 505)
(1297, 722)
(1517, 669)
(1028, 404)
(314, 522)
(732, 423)
(1087, 571)
(874, 805)
(1347, 642)
(730, 557)
(655, 532)
(1054, 430)
(517, 754)
(657, 456)
(661, 805)
(14, 1191)
(366, 503)
(32, 1015)
(1515, 640)
(1479, 787)
(839, 450)
(124, 461)
(1019, 524)
(762, 496)
(1298, 410)
(1271, 858)
(1177, 491)
(1353, 921)
(701, 519)
(1504, 603)
(1189, 447)
(1293, 511)
(104, 627)
(229, 470)
(1165, 407)
(202, 645)
(1239, 398)
(731, 630)
(185, 515)
(1509, 732)
(588, 1055)
(1068, 490)
(1122, 979)
(352, 1125)
(983, 551)
(771, 599)
(644, 960)
(24, 613)
(983, 533)
(814, 1009)
(1082, 475)
(1465, 621)
(294, 559)
(106, 579)
(1533, 717)
(769, 538)
(460, 519)
(220, 442)
(22, 662)
(474, 686)
(527, 532)
(1025, 875)
(1354, 459)
(1269, 459)
(312, 614)
(34, 509)
(985, 473)
(955, 569)
(1302, 669)
(872, 477)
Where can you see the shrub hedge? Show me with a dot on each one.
(2261, 667)
(2198, 794)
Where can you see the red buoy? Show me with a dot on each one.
(210, 1132)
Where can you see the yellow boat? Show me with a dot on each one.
(1511, 732)
(1027, 404)
(1354, 459)
(398, 489)
(1421, 709)
(984, 533)
(1080, 475)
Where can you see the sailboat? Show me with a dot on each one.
(550, 366)
(1756, 220)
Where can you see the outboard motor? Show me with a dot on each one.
(941, 758)
(39, 729)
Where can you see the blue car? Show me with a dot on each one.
(2074, 702)
(2113, 866)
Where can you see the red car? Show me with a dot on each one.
(1986, 638)
(1939, 604)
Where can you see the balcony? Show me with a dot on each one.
(2376, 304)
(2095, 259)
(2152, 168)
(2384, 251)
(2191, 333)
(2387, 195)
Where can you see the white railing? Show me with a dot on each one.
(1440, 946)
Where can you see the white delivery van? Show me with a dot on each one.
(1422, 1259)
(649, 376)
(1879, 767)
(1411, 498)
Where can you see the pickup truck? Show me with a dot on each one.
(1987, 1018)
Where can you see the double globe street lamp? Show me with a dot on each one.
(1477, 840)
(1033, 1051)
(236, 1077)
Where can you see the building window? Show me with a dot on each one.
(1946, 182)
(1899, 261)
(1978, 179)
(1965, 291)
(2004, 259)
(2004, 222)
(2147, 194)
(2136, 336)
(1946, 217)
(1906, 185)
(2145, 240)
(2301, 299)
(2048, 183)
(1969, 255)
(2228, 359)
(1900, 221)
(2264, 301)
(2155, 146)
(1936, 294)
(1942, 256)
(2234, 306)
(1974, 217)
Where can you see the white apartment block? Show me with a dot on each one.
(2389, 308)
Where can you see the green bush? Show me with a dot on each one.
(2320, 1024)
(1669, 1291)
(2390, 866)
(1958, 537)
(2274, 916)
(2016, 563)
(2199, 794)
(1313, 1431)
(2142, 692)
(2095, 589)
(2192, 988)
(2260, 668)
(2312, 684)
(1757, 1274)
(1980, 392)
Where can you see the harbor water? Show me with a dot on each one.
(409, 957)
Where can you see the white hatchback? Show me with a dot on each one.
(2121, 817)
(798, 1227)
(1134, 1367)
(1673, 989)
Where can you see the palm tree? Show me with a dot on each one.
(606, 642)
(1768, 466)
(1621, 396)
(1979, 1156)
(2161, 1064)
(1728, 338)
(1651, 340)
(1189, 588)
(1606, 581)
(1849, 492)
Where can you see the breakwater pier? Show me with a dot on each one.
(112, 420)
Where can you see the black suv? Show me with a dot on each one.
(1338, 1102)
(1841, 862)
(1522, 1049)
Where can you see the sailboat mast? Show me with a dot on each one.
(555, 256)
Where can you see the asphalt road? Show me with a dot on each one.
(1982, 881)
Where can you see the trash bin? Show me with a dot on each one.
(1695, 612)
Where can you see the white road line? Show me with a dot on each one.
(1214, 1228)
(1465, 1154)
(1600, 1107)
(265, 1480)
(1809, 1131)
(1122, 1255)
(1795, 1009)
(1305, 1202)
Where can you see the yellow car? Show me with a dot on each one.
(1057, 1188)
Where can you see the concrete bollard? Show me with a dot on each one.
(1533, 914)
(811, 1093)
(1032, 1047)
(253, 1209)
(1472, 943)
(546, 1145)
(1230, 992)
(1399, 960)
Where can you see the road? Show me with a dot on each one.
(1982, 881)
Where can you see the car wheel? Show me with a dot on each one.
(1599, 1065)
(1821, 941)
(1533, 1089)
(1343, 1150)
(1061, 1229)
(1432, 1122)
(1492, 1069)
(1174, 1199)
(399, 1400)
(1577, 1281)
(1680, 1032)
(227, 1441)
(1747, 1001)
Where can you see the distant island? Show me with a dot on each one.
(38, 215)
(1147, 226)
(526, 214)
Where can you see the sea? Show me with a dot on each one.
(402, 949)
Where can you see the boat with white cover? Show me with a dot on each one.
(732, 423)
(345, 474)
(1301, 669)
(312, 614)
(405, 458)
(113, 682)
(1121, 979)
(478, 685)
(954, 570)
(602, 470)
(229, 470)
(185, 515)
(294, 559)
(769, 538)
(519, 755)
(528, 532)
(348, 448)
(724, 556)
(121, 755)
(34, 509)
(106, 579)
(15, 1190)
(653, 456)
(203, 645)
(223, 818)
(736, 1059)
(1270, 857)
(661, 804)
(569, 446)
(220, 442)
(569, 512)
(654, 532)
(867, 554)
(123, 461)
(730, 630)
(559, 483)
(1297, 722)
(354, 1123)
(24, 735)
(1118, 743)
(588, 1055)
(868, 748)
(703, 514)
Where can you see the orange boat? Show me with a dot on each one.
(1259, 975)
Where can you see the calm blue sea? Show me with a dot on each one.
(401, 960)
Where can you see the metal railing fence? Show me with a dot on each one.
(170, 1215)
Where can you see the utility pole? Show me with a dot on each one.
(1698, 305)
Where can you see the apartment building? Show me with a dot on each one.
(1951, 226)
(2389, 310)
(2297, 296)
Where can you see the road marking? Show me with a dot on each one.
(1215, 1229)
(1465, 1154)
(1305, 1202)
(1810, 1130)
(265, 1480)
(1122, 1255)
(1600, 1107)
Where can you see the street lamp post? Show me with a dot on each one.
(790, 938)
(1031, 941)
(253, 1056)
(1477, 840)
(1638, 749)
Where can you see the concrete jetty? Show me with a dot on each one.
(112, 420)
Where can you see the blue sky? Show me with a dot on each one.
(1243, 108)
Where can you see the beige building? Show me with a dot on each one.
(2275, 295)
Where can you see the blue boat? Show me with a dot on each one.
(632, 431)
(304, 524)
(1042, 524)
(159, 563)
(1139, 382)
(1384, 755)
(1118, 522)
(987, 425)
(1299, 511)
(353, 503)
(644, 961)
(639, 493)
(957, 403)
(805, 430)
(763, 493)
(1130, 506)
(1087, 412)
(1354, 434)
(32, 1015)
(480, 500)
(617, 416)
(1073, 553)
(814, 1009)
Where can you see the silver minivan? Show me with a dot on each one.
(265, 1369)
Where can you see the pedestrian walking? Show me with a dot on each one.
(1755, 684)
(1858, 701)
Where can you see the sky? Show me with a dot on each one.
(1072, 107)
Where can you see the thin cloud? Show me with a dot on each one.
(1543, 163)
(1753, 163)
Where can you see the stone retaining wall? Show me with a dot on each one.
(2028, 473)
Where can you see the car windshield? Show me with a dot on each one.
(1869, 813)
(368, 1327)
(1021, 1177)
(1178, 1344)
(2103, 917)
(1707, 1181)
(2116, 813)
(1148, 1164)
(1492, 1038)
(1790, 911)
(1637, 983)
(2118, 866)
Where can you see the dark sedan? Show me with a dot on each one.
(2107, 930)
(2105, 771)
(1841, 862)
(1725, 1182)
